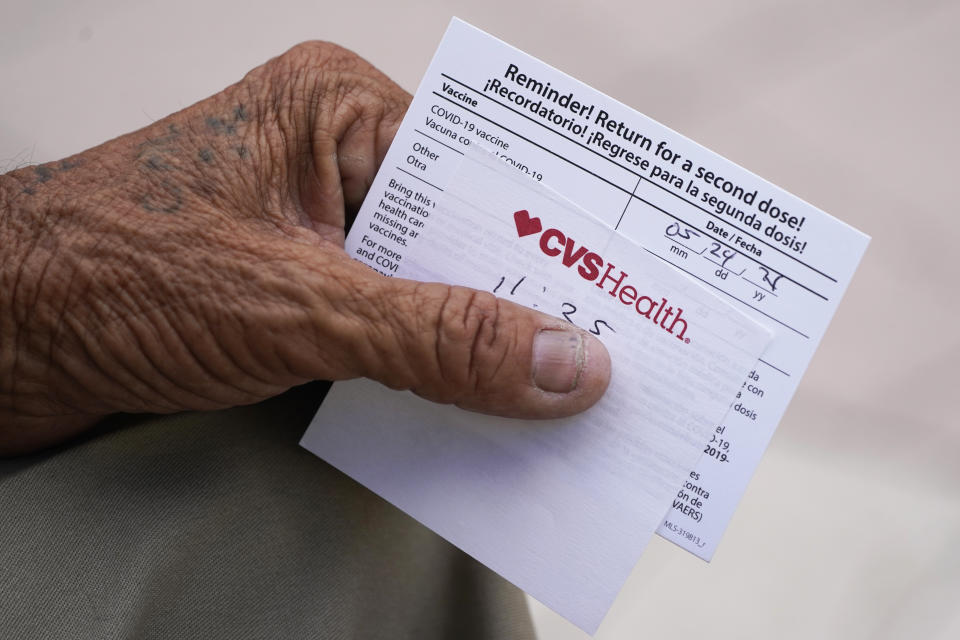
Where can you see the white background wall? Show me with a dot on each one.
(851, 526)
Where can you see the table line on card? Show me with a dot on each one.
(620, 166)
(427, 135)
(627, 206)
(699, 253)
(632, 195)
(413, 175)
(773, 367)
(770, 291)
(727, 269)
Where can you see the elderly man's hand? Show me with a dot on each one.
(199, 264)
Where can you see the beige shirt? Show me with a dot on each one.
(218, 525)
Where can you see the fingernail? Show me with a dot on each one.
(558, 357)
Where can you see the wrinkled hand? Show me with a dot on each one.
(199, 264)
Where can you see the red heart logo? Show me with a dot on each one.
(525, 224)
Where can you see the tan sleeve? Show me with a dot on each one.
(218, 525)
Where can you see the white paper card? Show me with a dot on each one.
(777, 258)
(562, 508)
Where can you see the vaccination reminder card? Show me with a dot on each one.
(709, 286)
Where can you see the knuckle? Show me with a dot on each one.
(318, 53)
(473, 341)
(465, 313)
(332, 87)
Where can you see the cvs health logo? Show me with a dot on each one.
(590, 266)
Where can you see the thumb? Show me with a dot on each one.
(461, 346)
